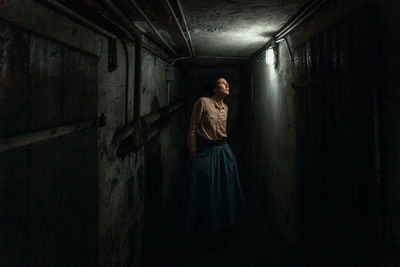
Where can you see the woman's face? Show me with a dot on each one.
(222, 87)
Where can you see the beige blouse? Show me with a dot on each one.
(208, 120)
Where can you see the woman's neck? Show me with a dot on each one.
(219, 99)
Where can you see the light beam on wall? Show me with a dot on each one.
(270, 56)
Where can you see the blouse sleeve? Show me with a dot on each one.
(194, 124)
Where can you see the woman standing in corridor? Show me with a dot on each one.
(213, 196)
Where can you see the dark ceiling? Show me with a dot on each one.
(236, 28)
(209, 28)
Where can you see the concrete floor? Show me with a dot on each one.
(254, 246)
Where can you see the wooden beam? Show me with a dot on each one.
(8, 143)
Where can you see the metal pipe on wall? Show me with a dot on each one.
(146, 123)
(131, 28)
(186, 27)
(219, 57)
(152, 26)
(126, 79)
(76, 17)
(287, 45)
(179, 26)
(299, 18)
(138, 79)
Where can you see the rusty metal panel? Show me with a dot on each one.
(14, 89)
(79, 86)
(45, 81)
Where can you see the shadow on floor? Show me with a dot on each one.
(251, 243)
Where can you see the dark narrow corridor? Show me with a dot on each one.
(96, 98)
(253, 244)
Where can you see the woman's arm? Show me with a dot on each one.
(194, 123)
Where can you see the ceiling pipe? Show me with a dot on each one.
(126, 79)
(179, 26)
(288, 47)
(76, 17)
(125, 22)
(220, 57)
(186, 27)
(138, 80)
(173, 60)
(133, 2)
(299, 18)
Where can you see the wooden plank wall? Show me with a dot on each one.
(48, 190)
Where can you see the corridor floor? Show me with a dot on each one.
(255, 246)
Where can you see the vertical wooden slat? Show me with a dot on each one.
(14, 207)
(14, 118)
(45, 57)
(338, 149)
(79, 86)
(14, 90)
(45, 188)
(48, 190)
(79, 196)
(79, 155)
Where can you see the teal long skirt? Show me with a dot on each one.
(212, 196)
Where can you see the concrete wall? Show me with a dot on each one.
(116, 195)
(154, 91)
(326, 153)
(274, 137)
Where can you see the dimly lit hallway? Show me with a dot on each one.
(95, 103)
(256, 245)
(253, 244)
